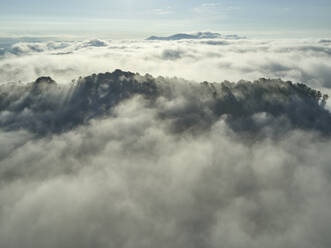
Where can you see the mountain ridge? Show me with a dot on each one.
(199, 35)
(45, 106)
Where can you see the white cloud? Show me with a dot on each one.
(306, 61)
(164, 11)
(135, 161)
(127, 181)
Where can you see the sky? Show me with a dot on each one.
(133, 18)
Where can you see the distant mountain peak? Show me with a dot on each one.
(195, 36)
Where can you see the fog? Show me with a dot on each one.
(174, 158)
(305, 61)
(145, 162)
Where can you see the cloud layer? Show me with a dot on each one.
(305, 61)
(125, 160)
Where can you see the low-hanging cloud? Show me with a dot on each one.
(305, 61)
(125, 160)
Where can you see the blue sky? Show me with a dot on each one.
(126, 18)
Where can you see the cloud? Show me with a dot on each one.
(130, 160)
(26, 48)
(127, 178)
(215, 10)
(216, 43)
(169, 54)
(207, 8)
(164, 11)
(305, 61)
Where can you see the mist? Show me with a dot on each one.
(125, 159)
